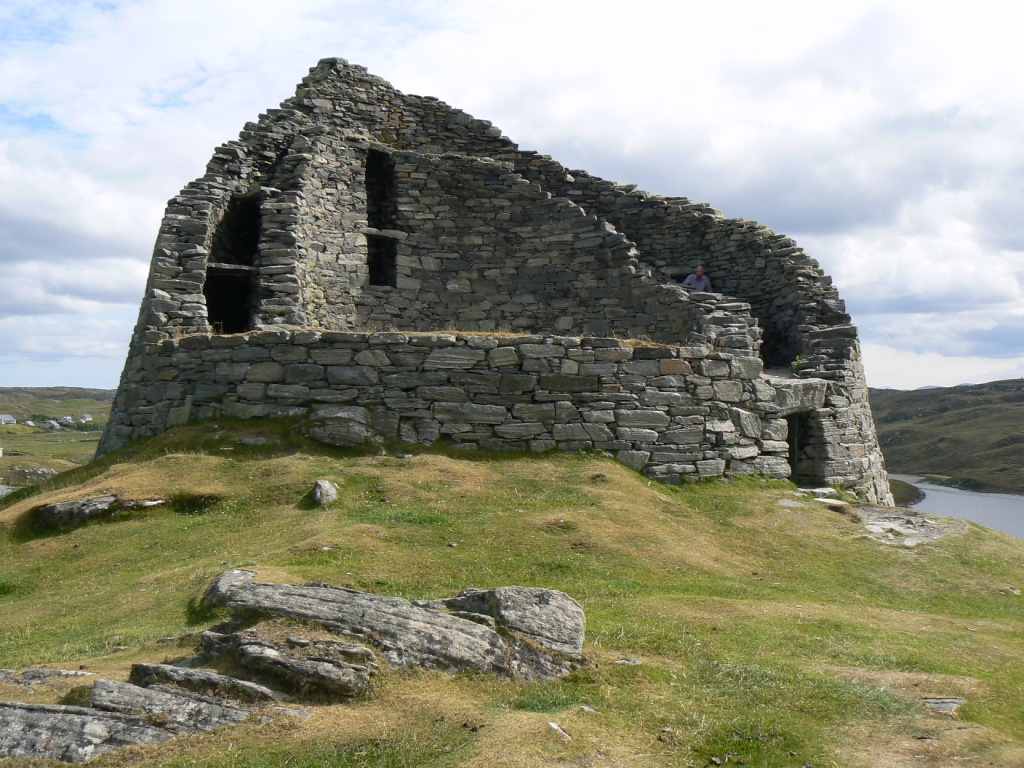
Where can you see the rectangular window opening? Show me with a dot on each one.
(236, 238)
(381, 203)
(230, 300)
(382, 259)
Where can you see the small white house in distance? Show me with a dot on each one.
(68, 421)
(85, 418)
(1, 451)
(51, 424)
(6, 418)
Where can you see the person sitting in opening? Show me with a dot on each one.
(698, 280)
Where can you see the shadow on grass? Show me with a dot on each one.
(196, 613)
(79, 696)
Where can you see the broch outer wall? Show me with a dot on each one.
(316, 266)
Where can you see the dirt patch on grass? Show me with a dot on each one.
(917, 685)
(925, 741)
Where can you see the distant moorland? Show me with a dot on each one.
(968, 436)
(25, 449)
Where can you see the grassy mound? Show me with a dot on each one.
(723, 625)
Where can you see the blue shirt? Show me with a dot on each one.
(702, 283)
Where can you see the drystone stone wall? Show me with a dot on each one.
(673, 412)
(356, 208)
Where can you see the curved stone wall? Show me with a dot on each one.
(671, 412)
(355, 207)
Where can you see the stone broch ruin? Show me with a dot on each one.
(392, 268)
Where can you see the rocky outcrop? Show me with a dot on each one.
(549, 618)
(74, 512)
(526, 633)
(174, 710)
(70, 734)
(540, 623)
(327, 667)
(201, 681)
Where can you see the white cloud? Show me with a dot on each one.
(883, 136)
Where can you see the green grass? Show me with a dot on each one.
(772, 634)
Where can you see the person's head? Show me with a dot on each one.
(699, 270)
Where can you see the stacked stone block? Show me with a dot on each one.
(671, 412)
(487, 237)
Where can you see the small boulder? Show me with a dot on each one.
(324, 492)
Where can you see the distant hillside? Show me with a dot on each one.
(23, 402)
(973, 435)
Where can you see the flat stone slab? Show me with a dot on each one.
(903, 527)
(177, 711)
(36, 675)
(74, 512)
(943, 705)
(69, 734)
(201, 681)
(540, 637)
(405, 633)
(325, 673)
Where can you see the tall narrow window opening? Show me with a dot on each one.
(237, 236)
(382, 259)
(381, 206)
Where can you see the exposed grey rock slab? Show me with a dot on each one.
(70, 734)
(201, 681)
(525, 632)
(74, 512)
(326, 674)
(406, 634)
(945, 706)
(177, 711)
(905, 527)
(216, 593)
(39, 674)
(550, 618)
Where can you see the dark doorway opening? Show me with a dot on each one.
(779, 348)
(381, 205)
(802, 466)
(237, 237)
(382, 259)
(230, 299)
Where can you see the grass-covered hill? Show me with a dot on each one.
(969, 436)
(761, 628)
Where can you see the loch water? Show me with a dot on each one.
(1001, 511)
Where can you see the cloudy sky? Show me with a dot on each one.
(886, 137)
